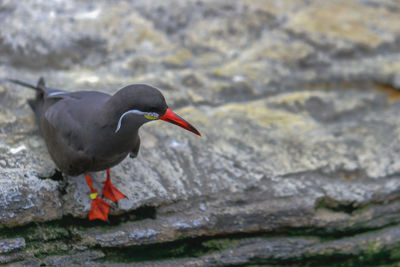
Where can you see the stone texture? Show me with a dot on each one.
(7, 245)
(10, 250)
(297, 104)
(292, 250)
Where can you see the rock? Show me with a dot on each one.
(298, 105)
(269, 250)
(77, 259)
(10, 250)
(7, 245)
(17, 256)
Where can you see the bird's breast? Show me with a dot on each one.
(110, 148)
(102, 163)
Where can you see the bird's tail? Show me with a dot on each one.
(36, 103)
(39, 87)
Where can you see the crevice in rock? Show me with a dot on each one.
(65, 240)
(337, 206)
(331, 174)
(68, 221)
(187, 247)
(206, 245)
(56, 176)
(60, 179)
(389, 87)
(141, 213)
(385, 257)
(60, 237)
(357, 176)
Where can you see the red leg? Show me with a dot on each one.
(110, 191)
(99, 208)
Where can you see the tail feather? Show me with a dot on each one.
(24, 84)
(36, 104)
(40, 87)
(41, 84)
(31, 103)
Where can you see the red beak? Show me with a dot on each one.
(171, 117)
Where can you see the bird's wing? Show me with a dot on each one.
(135, 150)
(65, 119)
(65, 129)
(70, 113)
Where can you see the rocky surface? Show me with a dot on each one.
(298, 105)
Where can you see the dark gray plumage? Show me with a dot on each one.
(79, 128)
(90, 131)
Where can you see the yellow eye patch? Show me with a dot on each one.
(150, 117)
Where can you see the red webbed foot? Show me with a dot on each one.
(110, 191)
(99, 208)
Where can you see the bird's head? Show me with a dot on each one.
(145, 103)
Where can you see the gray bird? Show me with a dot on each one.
(89, 131)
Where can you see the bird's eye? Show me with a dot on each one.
(151, 116)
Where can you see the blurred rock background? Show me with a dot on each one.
(298, 104)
